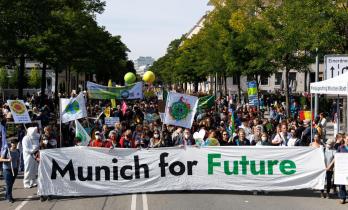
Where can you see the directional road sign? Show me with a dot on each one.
(335, 65)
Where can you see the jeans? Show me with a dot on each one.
(342, 194)
(9, 181)
(329, 185)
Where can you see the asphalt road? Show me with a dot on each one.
(26, 199)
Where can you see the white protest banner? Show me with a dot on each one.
(110, 121)
(73, 109)
(180, 109)
(19, 111)
(78, 171)
(341, 168)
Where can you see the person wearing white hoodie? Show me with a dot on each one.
(30, 145)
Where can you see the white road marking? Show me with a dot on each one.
(133, 203)
(145, 206)
(23, 203)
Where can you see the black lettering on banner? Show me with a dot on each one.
(69, 167)
(106, 172)
(89, 174)
(137, 168)
(181, 168)
(123, 172)
(190, 164)
(163, 164)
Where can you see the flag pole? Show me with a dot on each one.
(60, 125)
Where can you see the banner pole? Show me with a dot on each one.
(311, 117)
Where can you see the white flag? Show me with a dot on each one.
(82, 134)
(72, 109)
(180, 109)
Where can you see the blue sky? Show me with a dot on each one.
(148, 26)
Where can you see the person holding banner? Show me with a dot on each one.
(342, 194)
(126, 140)
(97, 142)
(10, 157)
(112, 141)
(30, 149)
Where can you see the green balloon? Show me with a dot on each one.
(129, 78)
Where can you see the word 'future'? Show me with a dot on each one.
(286, 167)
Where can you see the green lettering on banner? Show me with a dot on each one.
(244, 164)
(270, 164)
(285, 165)
(227, 167)
(261, 171)
(211, 162)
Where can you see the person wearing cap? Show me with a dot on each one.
(10, 157)
(329, 155)
(97, 142)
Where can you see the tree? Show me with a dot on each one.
(3, 78)
(13, 78)
(34, 78)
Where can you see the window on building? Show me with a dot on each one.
(278, 78)
(292, 77)
(234, 80)
(250, 78)
(263, 80)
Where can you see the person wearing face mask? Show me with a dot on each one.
(30, 144)
(187, 139)
(47, 140)
(97, 142)
(264, 140)
(155, 141)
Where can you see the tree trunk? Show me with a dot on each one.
(196, 83)
(66, 80)
(69, 81)
(305, 81)
(239, 89)
(20, 76)
(286, 89)
(43, 84)
(225, 83)
(56, 99)
(258, 97)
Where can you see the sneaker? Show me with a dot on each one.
(322, 195)
(342, 201)
(11, 200)
(328, 195)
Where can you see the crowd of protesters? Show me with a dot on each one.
(140, 127)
